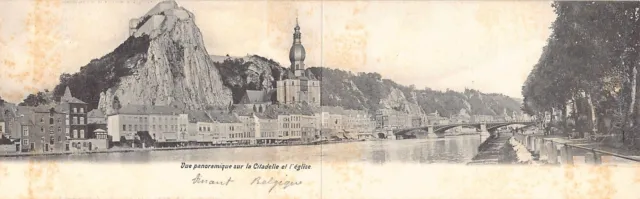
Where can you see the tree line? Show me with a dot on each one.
(588, 71)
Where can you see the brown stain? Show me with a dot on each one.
(3, 171)
(347, 48)
(280, 21)
(530, 14)
(43, 57)
(571, 184)
(636, 179)
(44, 60)
(602, 185)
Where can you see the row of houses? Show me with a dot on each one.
(239, 124)
(62, 126)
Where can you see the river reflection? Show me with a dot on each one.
(457, 149)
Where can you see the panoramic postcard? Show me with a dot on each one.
(319, 99)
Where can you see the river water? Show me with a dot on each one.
(454, 149)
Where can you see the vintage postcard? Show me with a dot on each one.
(319, 99)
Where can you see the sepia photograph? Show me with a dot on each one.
(319, 99)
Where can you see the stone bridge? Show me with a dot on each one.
(439, 130)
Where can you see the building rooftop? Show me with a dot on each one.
(223, 117)
(148, 110)
(264, 116)
(242, 110)
(288, 109)
(24, 114)
(333, 110)
(198, 116)
(68, 98)
(95, 113)
(257, 96)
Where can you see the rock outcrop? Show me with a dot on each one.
(371, 92)
(176, 67)
(398, 101)
(248, 73)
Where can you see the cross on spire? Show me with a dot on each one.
(297, 26)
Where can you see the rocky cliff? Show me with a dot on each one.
(164, 61)
(248, 73)
(362, 91)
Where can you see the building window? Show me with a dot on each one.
(75, 110)
(41, 120)
(81, 110)
(80, 120)
(25, 142)
(82, 133)
(75, 133)
(25, 131)
(124, 127)
(130, 127)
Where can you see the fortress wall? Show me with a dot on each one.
(162, 6)
(181, 14)
(153, 23)
(133, 23)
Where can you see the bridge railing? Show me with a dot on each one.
(462, 124)
(559, 151)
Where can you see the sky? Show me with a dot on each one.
(490, 46)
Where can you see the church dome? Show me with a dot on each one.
(297, 53)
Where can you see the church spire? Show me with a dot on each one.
(297, 53)
(67, 93)
(296, 33)
(297, 26)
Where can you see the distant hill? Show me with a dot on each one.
(362, 91)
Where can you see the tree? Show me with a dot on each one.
(35, 100)
(589, 64)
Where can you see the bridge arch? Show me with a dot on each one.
(405, 131)
(440, 129)
(445, 128)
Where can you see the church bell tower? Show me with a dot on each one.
(297, 53)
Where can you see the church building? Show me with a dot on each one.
(299, 86)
